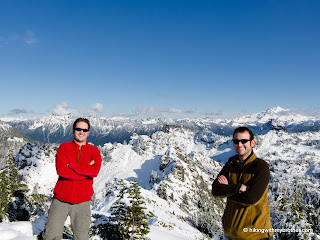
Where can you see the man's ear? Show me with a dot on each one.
(253, 143)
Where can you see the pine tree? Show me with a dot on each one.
(209, 209)
(292, 212)
(17, 208)
(119, 211)
(37, 201)
(129, 217)
(13, 193)
(12, 173)
(4, 194)
(136, 225)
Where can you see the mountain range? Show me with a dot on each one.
(57, 129)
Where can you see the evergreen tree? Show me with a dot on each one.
(37, 201)
(18, 207)
(13, 174)
(119, 211)
(292, 212)
(15, 203)
(128, 217)
(4, 194)
(136, 226)
(209, 210)
(12, 192)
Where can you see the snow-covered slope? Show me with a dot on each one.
(167, 166)
(175, 168)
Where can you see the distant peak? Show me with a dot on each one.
(277, 109)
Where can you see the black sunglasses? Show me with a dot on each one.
(81, 129)
(243, 141)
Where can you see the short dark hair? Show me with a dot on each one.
(81, 120)
(243, 129)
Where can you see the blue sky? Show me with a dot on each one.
(177, 59)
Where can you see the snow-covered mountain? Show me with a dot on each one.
(277, 113)
(279, 117)
(175, 167)
(10, 139)
(57, 129)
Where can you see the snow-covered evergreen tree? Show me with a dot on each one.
(12, 200)
(16, 204)
(119, 211)
(136, 225)
(4, 194)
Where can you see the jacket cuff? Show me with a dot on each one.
(238, 187)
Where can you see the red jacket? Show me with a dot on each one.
(75, 181)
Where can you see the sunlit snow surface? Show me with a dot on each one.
(291, 156)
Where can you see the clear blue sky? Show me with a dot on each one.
(158, 58)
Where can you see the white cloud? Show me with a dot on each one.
(120, 113)
(30, 37)
(148, 111)
(64, 108)
(151, 110)
(97, 107)
(172, 110)
(61, 109)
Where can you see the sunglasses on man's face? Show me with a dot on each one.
(81, 129)
(243, 141)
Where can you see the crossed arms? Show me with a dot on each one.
(223, 180)
(248, 193)
(77, 171)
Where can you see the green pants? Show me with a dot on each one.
(80, 216)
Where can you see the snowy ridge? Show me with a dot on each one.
(283, 115)
(4, 126)
(10, 140)
(57, 129)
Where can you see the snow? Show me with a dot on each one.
(292, 157)
(4, 126)
(167, 233)
(17, 231)
(314, 170)
(15, 139)
(11, 119)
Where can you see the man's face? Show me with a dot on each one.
(243, 149)
(80, 136)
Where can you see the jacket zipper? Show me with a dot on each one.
(79, 154)
(239, 172)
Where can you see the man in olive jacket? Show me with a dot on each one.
(244, 181)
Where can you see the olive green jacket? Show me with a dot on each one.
(247, 214)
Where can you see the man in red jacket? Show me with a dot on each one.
(77, 163)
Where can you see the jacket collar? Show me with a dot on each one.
(249, 159)
(76, 145)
